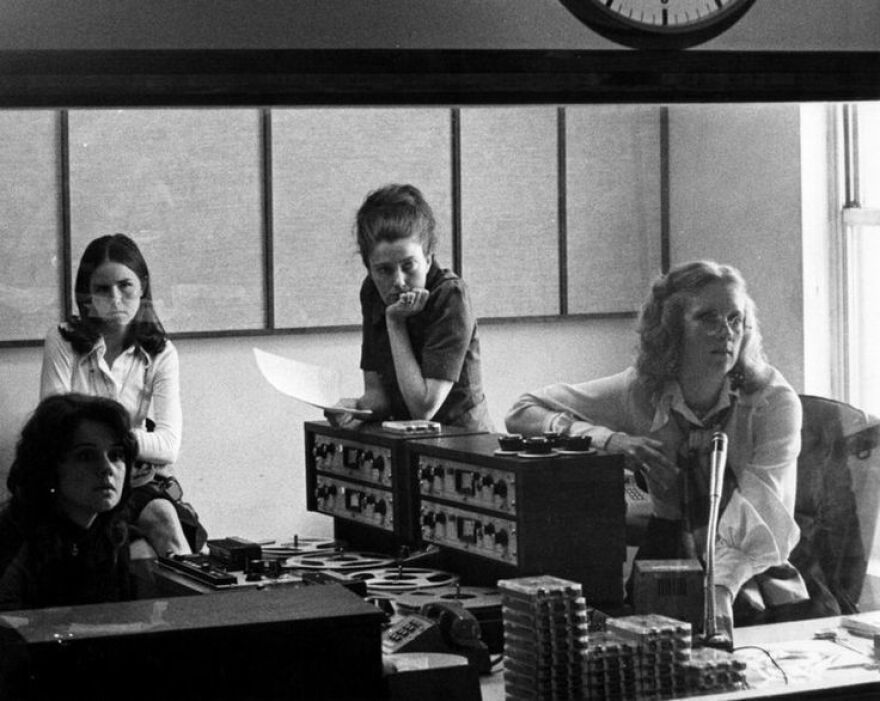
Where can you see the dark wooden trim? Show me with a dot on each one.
(389, 77)
(562, 207)
(348, 328)
(67, 301)
(665, 236)
(455, 144)
(268, 217)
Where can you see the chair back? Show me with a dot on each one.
(837, 501)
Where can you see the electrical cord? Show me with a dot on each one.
(769, 656)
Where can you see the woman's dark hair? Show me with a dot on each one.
(391, 213)
(83, 331)
(36, 529)
(45, 440)
(661, 326)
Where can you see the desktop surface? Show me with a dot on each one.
(254, 644)
(811, 666)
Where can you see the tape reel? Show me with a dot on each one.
(299, 545)
(471, 598)
(337, 560)
(398, 579)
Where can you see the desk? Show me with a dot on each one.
(817, 669)
(268, 644)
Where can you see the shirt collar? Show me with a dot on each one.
(671, 399)
(100, 348)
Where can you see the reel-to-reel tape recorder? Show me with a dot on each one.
(491, 515)
(362, 478)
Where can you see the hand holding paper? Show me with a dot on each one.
(313, 384)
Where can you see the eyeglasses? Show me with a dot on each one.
(713, 323)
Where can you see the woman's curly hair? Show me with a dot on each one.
(661, 326)
(45, 440)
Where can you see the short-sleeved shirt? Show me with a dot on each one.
(445, 343)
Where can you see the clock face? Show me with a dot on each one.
(659, 23)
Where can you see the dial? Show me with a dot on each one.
(659, 23)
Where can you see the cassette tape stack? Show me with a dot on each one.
(545, 638)
(552, 651)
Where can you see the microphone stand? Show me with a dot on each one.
(711, 637)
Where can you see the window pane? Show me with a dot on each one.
(869, 153)
(864, 247)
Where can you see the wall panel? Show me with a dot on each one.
(30, 259)
(510, 227)
(614, 206)
(324, 164)
(186, 186)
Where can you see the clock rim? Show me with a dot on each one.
(634, 34)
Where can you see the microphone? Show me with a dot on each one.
(718, 465)
(711, 636)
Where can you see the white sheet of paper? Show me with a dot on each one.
(312, 384)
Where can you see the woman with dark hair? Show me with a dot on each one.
(420, 353)
(63, 538)
(117, 348)
(700, 369)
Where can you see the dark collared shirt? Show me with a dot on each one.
(445, 344)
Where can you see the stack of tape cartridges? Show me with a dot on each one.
(662, 645)
(610, 668)
(545, 638)
(712, 671)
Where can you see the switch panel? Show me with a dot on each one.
(360, 461)
(472, 531)
(466, 483)
(356, 502)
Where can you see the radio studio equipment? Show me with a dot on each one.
(711, 637)
(361, 478)
(235, 563)
(672, 588)
(497, 514)
(255, 644)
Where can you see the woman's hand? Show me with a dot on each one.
(344, 419)
(407, 304)
(647, 457)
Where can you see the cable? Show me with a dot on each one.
(769, 656)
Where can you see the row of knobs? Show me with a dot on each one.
(498, 488)
(330, 491)
(431, 520)
(362, 458)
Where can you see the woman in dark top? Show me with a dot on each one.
(63, 540)
(420, 354)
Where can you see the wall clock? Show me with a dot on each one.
(658, 24)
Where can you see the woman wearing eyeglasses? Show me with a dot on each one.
(700, 369)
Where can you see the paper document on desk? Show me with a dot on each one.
(865, 624)
(313, 384)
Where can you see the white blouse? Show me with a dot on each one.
(757, 529)
(145, 385)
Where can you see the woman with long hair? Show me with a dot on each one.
(116, 347)
(63, 536)
(700, 369)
